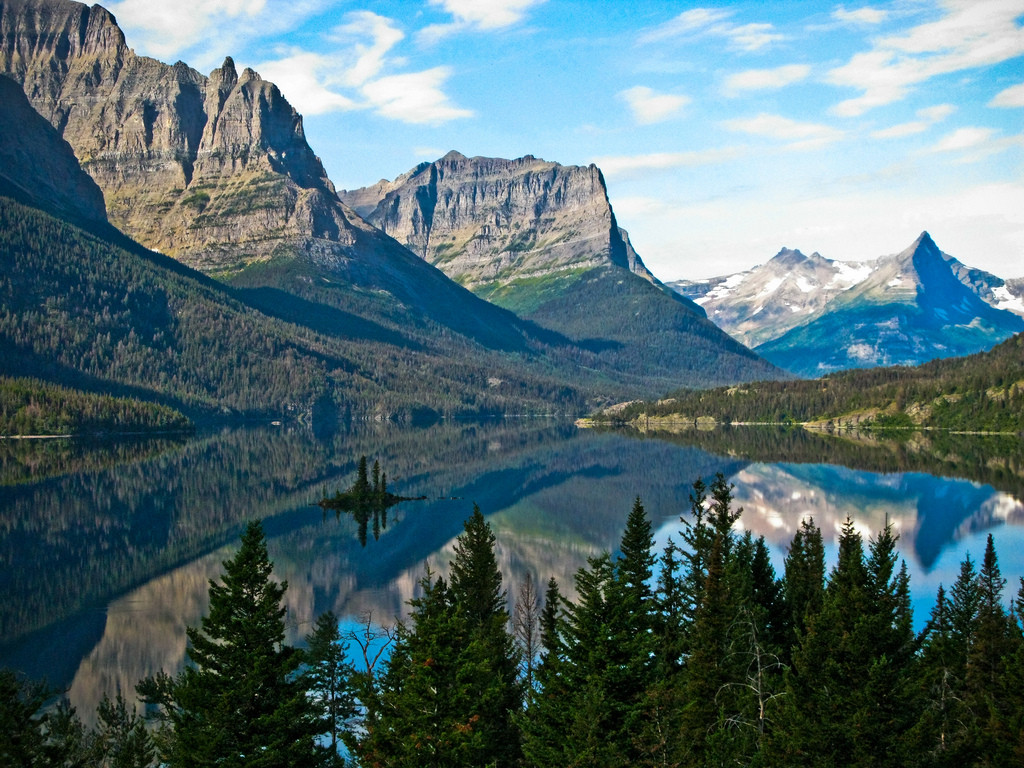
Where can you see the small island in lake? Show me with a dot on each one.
(368, 496)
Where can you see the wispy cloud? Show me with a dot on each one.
(714, 22)
(963, 138)
(205, 31)
(800, 135)
(415, 97)
(928, 117)
(766, 79)
(477, 14)
(1010, 97)
(361, 73)
(650, 107)
(866, 15)
(629, 165)
(971, 34)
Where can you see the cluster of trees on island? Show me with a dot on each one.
(702, 656)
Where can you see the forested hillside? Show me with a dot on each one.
(33, 407)
(981, 392)
(78, 310)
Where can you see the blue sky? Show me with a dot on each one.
(725, 131)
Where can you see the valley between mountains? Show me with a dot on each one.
(170, 238)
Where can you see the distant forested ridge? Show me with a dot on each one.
(983, 392)
(33, 407)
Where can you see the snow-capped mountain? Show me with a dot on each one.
(814, 315)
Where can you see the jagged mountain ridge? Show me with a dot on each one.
(216, 173)
(489, 221)
(912, 307)
(763, 303)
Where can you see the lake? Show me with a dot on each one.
(107, 547)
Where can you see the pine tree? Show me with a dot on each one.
(240, 700)
(477, 593)
(327, 675)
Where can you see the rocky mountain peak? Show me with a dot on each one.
(490, 221)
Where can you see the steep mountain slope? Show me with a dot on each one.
(912, 308)
(763, 303)
(216, 172)
(542, 240)
(91, 309)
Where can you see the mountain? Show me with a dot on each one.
(216, 173)
(37, 166)
(763, 303)
(542, 240)
(813, 315)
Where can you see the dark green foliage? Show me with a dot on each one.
(32, 407)
(327, 677)
(450, 693)
(977, 393)
(240, 701)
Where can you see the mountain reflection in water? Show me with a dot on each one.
(106, 550)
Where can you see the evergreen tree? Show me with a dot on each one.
(477, 593)
(240, 700)
(804, 581)
(450, 694)
(327, 676)
(121, 739)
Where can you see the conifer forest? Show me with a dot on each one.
(700, 655)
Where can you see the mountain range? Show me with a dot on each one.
(813, 315)
(215, 174)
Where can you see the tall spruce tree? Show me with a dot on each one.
(240, 701)
(328, 677)
(450, 694)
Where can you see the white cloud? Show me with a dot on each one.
(782, 128)
(1010, 97)
(865, 15)
(766, 79)
(971, 34)
(415, 97)
(698, 22)
(649, 107)
(367, 59)
(301, 78)
(963, 138)
(361, 74)
(476, 14)
(488, 14)
(928, 117)
(203, 32)
(622, 166)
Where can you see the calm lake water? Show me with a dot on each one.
(106, 548)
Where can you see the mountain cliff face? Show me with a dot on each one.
(911, 308)
(39, 167)
(541, 239)
(214, 171)
(487, 222)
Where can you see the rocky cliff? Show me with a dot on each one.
(487, 222)
(38, 167)
(214, 171)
